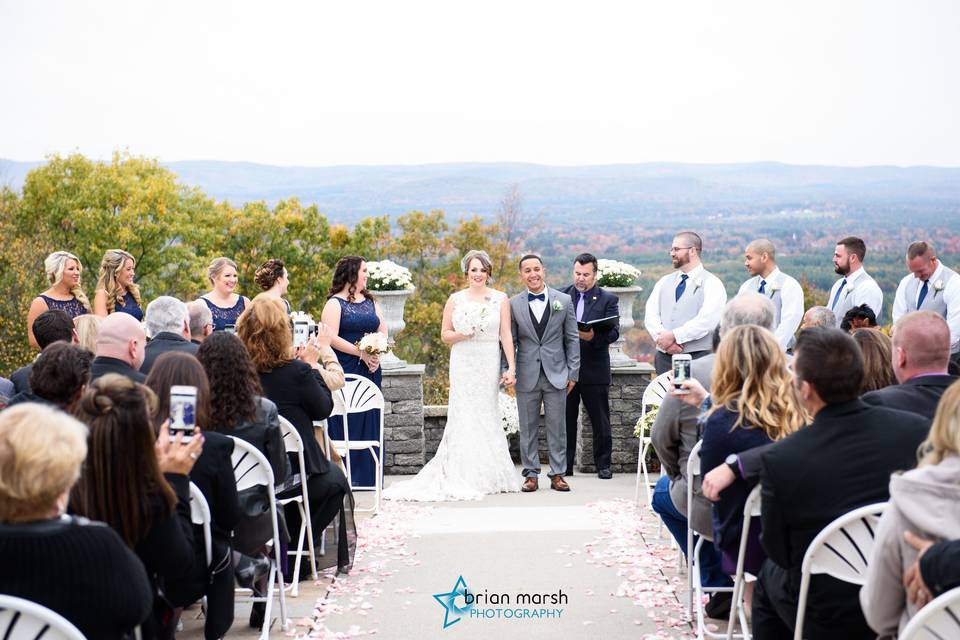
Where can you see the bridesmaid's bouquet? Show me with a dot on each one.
(470, 319)
(374, 343)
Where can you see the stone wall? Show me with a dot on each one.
(403, 419)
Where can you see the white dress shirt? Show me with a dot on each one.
(539, 306)
(714, 297)
(791, 302)
(951, 296)
(864, 291)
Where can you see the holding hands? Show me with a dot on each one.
(508, 378)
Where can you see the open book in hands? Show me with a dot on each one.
(601, 326)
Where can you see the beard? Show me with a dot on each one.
(679, 262)
(842, 269)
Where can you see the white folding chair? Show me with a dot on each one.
(200, 516)
(293, 443)
(250, 468)
(360, 395)
(25, 620)
(938, 620)
(841, 550)
(751, 510)
(694, 586)
(653, 396)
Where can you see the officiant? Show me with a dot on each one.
(599, 307)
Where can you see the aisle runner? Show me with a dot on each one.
(610, 579)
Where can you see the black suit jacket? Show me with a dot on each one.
(841, 461)
(595, 354)
(162, 343)
(213, 475)
(102, 365)
(21, 378)
(917, 395)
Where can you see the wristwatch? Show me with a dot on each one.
(733, 462)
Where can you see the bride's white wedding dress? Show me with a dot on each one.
(473, 458)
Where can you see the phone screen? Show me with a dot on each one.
(230, 328)
(183, 410)
(301, 331)
(681, 372)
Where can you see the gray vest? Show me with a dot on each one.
(934, 300)
(845, 303)
(674, 313)
(776, 299)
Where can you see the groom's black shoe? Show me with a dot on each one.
(557, 483)
(605, 474)
(530, 484)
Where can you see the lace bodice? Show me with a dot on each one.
(223, 316)
(482, 318)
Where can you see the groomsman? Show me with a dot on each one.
(784, 291)
(593, 386)
(931, 286)
(684, 307)
(856, 287)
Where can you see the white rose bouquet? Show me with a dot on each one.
(509, 414)
(374, 343)
(470, 319)
(644, 424)
(612, 273)
(386, 275)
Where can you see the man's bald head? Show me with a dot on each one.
(763, 246)
(818, 317)
(921, 344)
(121, 337)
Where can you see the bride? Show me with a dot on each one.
(473, 458)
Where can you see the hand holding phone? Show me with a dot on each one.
(682, 365)
(183, 411)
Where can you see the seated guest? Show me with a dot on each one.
(201, 321)
(225, 305)
(877, 366)
(861, 317)
(49, 327)
(298, 390)
(922, 501)
(674, 434)
(58, 376)
(818, 317)
(921, 355)
(137, 483)
(754, 403)
(78, 568)
(213, 475)
(120, 348)
(168, 323)
(116, 290)
(65, 293)
(841, 461)
(88, 327)
(935, 571)
(7, 391)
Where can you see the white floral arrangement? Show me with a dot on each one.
(509, 414)
(374, 343)
(386, 275)
(613, 273)
(470, 319)
(644, 426)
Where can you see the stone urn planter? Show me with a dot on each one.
(392, 303)
(625, 297)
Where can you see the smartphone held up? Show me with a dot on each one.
(183, 411)
(681, 372)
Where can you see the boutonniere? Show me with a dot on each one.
(774, 287)
(556, 306)
(849, 290)
(937, 287)
(697, 284)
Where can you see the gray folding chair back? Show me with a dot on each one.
(653, 396)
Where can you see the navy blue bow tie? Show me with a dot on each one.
(542, 297)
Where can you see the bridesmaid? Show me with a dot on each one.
(63, 271)
(116, 290)
(225, 305)
(351, 313)
(273, 278)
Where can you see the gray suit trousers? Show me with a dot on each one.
(554, 410)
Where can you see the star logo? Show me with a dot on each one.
(449, 603)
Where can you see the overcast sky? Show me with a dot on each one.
(327, 82)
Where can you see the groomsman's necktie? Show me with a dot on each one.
(681, 287)
(536, 296)
(837, 296)
(763, 287)
(923, 293)
(583, 295)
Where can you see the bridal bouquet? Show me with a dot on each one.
(509, 415)
(612, 273)
(386, 275)
(470, 319)
(374, 343)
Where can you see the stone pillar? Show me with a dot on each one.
(626, 393)
(403, 419)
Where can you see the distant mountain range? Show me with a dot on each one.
(348, 193)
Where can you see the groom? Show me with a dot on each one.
(548, 362)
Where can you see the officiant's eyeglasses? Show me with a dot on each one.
(679, 249)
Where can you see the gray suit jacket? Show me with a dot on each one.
(558, 353)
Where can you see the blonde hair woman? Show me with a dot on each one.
(88, 327)
(116, 290)
(754, 403)
(923, 502)
(225, 305)
(63, 271)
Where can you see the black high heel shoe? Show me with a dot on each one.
(250, 571)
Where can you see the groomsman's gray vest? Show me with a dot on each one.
(674, 313)
(934, 300)
(845, 303)
(776, 299)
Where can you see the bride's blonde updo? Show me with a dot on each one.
(482, 257)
